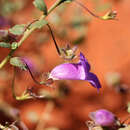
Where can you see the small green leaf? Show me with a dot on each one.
(5, 45)
(38, 24)
(17, 62)
(40, 4)
(17, 29)
(14, 45)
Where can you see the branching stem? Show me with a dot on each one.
(27, 34)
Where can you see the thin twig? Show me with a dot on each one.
(53, 37)
(13, 83)
(37, 82)
(86, 9)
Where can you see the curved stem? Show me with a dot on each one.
(77, 2)
(13, 83)
(24, 95)
(53, 37)
(32, 75)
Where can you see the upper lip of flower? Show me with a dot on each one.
(75, 71)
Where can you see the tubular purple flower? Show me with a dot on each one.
(103, 117)
(75, 71)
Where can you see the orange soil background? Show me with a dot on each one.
(108, 50)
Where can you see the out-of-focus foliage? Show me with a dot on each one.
(8, 7)
(17, 29)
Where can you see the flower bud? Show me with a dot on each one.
(111, 15)
(103, 117)
(68, 53)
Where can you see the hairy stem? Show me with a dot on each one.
(27, 34)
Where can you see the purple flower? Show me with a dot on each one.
(103, 117)
(75, 71)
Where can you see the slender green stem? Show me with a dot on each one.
(13, 83)
(5, 60)
(27, 33)
(111, 15)
(24, 96)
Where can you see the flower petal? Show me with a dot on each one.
(84, 62)
(68, 71)
(93, 80)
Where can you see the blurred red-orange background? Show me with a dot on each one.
(107, 48)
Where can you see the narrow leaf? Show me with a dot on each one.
(17, 29)
(5, 45)
(40, 4)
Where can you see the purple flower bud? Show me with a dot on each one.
(103, 117)
(75, 71)
(3, 22)
(28, 63)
